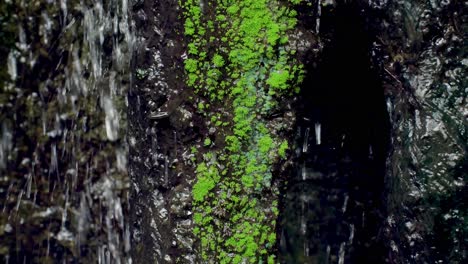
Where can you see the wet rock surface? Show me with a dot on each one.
(418, 53)
(377, 173)
(162, 128)
(426, 177)
(332, 202)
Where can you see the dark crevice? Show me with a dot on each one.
(333, 205)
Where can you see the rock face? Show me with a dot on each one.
(425, 61)
(192, 137)
(256, 131)
(333, 202)
(418, 51)
(162, 128)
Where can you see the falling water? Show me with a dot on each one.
(63, 175)
(318, 133)
(331, 205)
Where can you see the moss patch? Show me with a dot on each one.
(239, 67)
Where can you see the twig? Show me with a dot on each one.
(391, 75)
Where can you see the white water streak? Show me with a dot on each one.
(318, 135)
(306, 140)
(342, 253)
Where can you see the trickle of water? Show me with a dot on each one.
(5, 145)
(12, 70)
(305, 145)
(345, 204)
(328, 250)
(351, 234)
(112, 119)
(318, 133)
(341, 253)
(319, 14)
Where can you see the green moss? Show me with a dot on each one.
(191, 65)
(282, 149)
(218, 60)
(278, 79)
(207, 142)
(242, 76)
(207, 180)
(193, 150)
(265, 144)
(201, 106)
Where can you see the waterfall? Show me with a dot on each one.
(63, 175)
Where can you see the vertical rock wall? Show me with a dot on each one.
(162, 127)
(417, 50)
(211, 111)
(425, 63)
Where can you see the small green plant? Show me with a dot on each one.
(207, 142)
(282, 149)
(218, 60)
(201, 106)
(209, 176)
(193, 150)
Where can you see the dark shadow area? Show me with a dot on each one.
(333, 205)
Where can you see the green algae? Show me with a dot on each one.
(237, 62)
